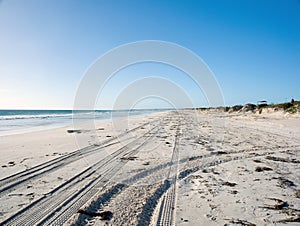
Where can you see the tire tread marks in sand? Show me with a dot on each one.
(61, 203)
(144, 218)
(166, 215)
(14, 181)
(94, 206)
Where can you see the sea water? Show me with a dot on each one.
(22, 121)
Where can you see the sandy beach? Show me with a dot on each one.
(149, 113)
(168, 168)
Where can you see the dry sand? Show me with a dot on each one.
(182, 168)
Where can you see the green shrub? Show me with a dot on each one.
(283, 106)
(289, 107)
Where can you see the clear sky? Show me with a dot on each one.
(252, 46)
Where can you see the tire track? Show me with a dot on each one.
(15, 181)
(166, 188)
(165, 202)
(168, 205)
(61, 202)
(158, 194)
(163, 191)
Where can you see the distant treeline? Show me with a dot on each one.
(290, 107)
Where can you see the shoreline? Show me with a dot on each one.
(214, 170)
(65, 123)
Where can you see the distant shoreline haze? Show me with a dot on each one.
(21, 121)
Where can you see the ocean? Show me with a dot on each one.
(22, 121)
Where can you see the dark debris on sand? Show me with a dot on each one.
(240, 222)
(280, 204)
(285, 183)
(297, 194)
(104, 215)
(291, 219)
(230, 184)
(280, 159)
(262, 168)
(131, 158)
(74, 131)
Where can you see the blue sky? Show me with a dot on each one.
(252, 46)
